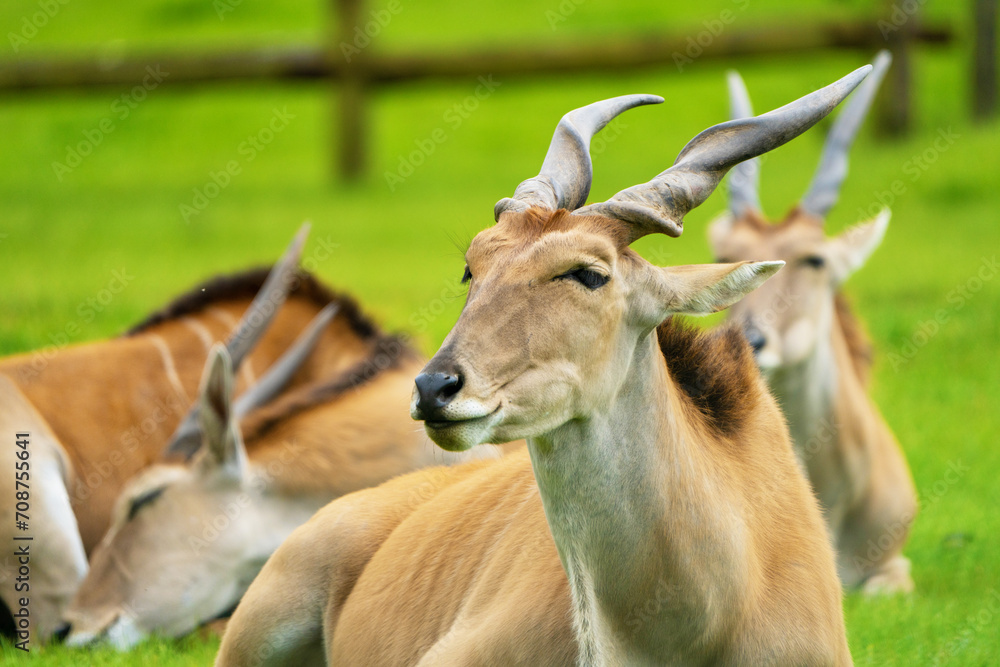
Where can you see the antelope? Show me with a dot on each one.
(816, 357)
(134, 391)
(138, 386)
(657, 515)
(186, 540)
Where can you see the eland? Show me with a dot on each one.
(657, 515)
(816, 357)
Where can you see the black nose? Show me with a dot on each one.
(755, 338)
(59, 636)
(435, 390)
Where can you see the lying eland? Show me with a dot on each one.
(816, 357)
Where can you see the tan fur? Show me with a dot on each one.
(709, 549)
(185, 541)
(110, 403)
(816, 347)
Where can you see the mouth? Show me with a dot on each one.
(445, 424)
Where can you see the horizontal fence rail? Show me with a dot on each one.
(366, 70)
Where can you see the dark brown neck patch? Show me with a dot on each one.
(714, 370)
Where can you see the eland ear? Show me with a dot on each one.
(222, 443)
(852, 247)
(701, 289)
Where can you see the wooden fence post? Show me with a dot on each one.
(352, 121)
(984, 59)
(898, 27)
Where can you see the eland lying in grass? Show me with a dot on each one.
(130, 394)
(817, 359)
(658, 515)
(186, 539)
(105, 410)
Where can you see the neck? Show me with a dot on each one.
(806, 392)
(633, 515)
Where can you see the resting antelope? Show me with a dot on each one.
(658, 515)
(186, 540)
(110, 407)
(105, 410)
(816, 358)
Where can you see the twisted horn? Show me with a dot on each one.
(659, 206)
(564, 181)
(265, 305)
(744, 181)
(825, 187)
(258, 317)
(282, 370)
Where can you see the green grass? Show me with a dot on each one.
(399, 250)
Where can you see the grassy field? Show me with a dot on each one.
(63, 233)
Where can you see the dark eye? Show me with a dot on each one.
(586, 277)
(814, 261)
(141, 501)
(467, 276)
(723, 260)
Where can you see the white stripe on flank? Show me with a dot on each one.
(201, 331)
(169, 367)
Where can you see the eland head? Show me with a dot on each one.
(785, 319)
(559, 304)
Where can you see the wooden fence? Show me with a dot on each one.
(366, 69)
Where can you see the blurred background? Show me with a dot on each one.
(151, 144)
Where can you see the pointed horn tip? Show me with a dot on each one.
(837, 92)
(328, 313)
(638, 99)
(632, 101)
(858, 75)
(301, 235)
